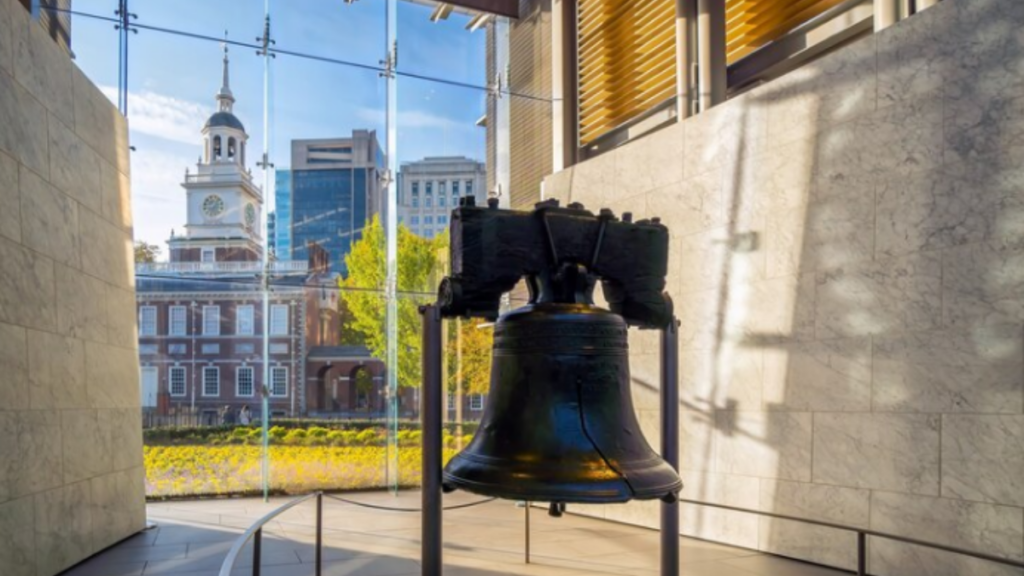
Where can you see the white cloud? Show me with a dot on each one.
(163, 116)
(158, 200)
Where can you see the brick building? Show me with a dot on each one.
(201, 314)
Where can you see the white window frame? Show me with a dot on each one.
(207, 311)
(245, 312)
(208, 255)
(274, 372)
(275, 320)
(147, 326)
(170, 380)
(451, 400)
(214, 370)
(238, 381)
(177, 321)
(476, 401)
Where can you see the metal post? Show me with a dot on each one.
(527, 542)
(670, 444)
(257, 542)
(684, 57)
(319, 531)
(711, 52)
(887, 13)
(430, 409)
(862, 549)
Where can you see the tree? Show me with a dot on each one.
(146, 253)
(362, 295)
(421, 265)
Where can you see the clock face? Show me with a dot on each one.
(250, 215)
(213, 205)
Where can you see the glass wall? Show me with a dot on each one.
(294, 169)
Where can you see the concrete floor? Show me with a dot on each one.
(191, 538)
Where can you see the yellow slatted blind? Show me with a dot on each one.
(750, 24)
(626, 61)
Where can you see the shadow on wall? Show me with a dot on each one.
(881, 301)
(849, 281)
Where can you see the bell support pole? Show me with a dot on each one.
(430, 410)
(670, 444)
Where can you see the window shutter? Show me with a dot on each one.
(751, 24)
(627, 60)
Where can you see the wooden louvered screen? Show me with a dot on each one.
(750, 24)
(627, 60)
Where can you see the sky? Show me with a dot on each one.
(172, 80)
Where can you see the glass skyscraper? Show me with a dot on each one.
(282, 236)
(335, 190)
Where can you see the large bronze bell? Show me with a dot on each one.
(559, 424)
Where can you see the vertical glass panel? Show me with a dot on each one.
(327, 113)
(195, 113)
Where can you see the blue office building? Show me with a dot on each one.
(282, 235)
(335, 190)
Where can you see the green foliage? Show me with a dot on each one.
(362, 293)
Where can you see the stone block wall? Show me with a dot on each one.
(848, 266)
(71, 476)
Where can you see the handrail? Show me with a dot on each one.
(256, 531)
(862, 532)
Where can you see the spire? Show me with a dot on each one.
(224, 97)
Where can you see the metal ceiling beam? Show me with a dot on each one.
(508, 8)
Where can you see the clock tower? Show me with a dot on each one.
(224, 205)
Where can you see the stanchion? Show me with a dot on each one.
(670, 444)
(430, 409)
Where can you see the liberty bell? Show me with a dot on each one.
(559, 424)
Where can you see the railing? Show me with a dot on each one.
(862, 536)
(215, 178)
(255, 533)
(280, 267)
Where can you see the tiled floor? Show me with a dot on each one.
(191, 539)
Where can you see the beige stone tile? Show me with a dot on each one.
(723, 526)
(10, 216)
(44, 69)
(116, 196)
(914, 58)
(81, 305)
(982, 284)
(37, 465)
(879, 451)
(848, 506)
(107, 251)
(56, 371)
(559, 185)
(121, 321)
(882, 297)
(724, 136)
(49, 219)
(765, 444)
(789, 317)
(106, 511)
(6, 38)
(63, 527)
(822, 375)
(701, 319)
(981, 458)
(9, 473)
(14, 375)
(74, 166)
(85, 454)
(888, 557)
(976, 370)
(764, 565)
(121, 434)
(650, 162)
(98, 122)
(974, 526)
(132, 489)
(17, 542)
(690, 206)
(729, 377)
(698, 440)
(112, 376)
(26, 298)
(24, 120)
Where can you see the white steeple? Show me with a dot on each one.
(225, 99)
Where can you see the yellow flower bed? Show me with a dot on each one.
(210, 470)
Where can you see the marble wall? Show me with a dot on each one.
(71, 476)
(848, 266)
